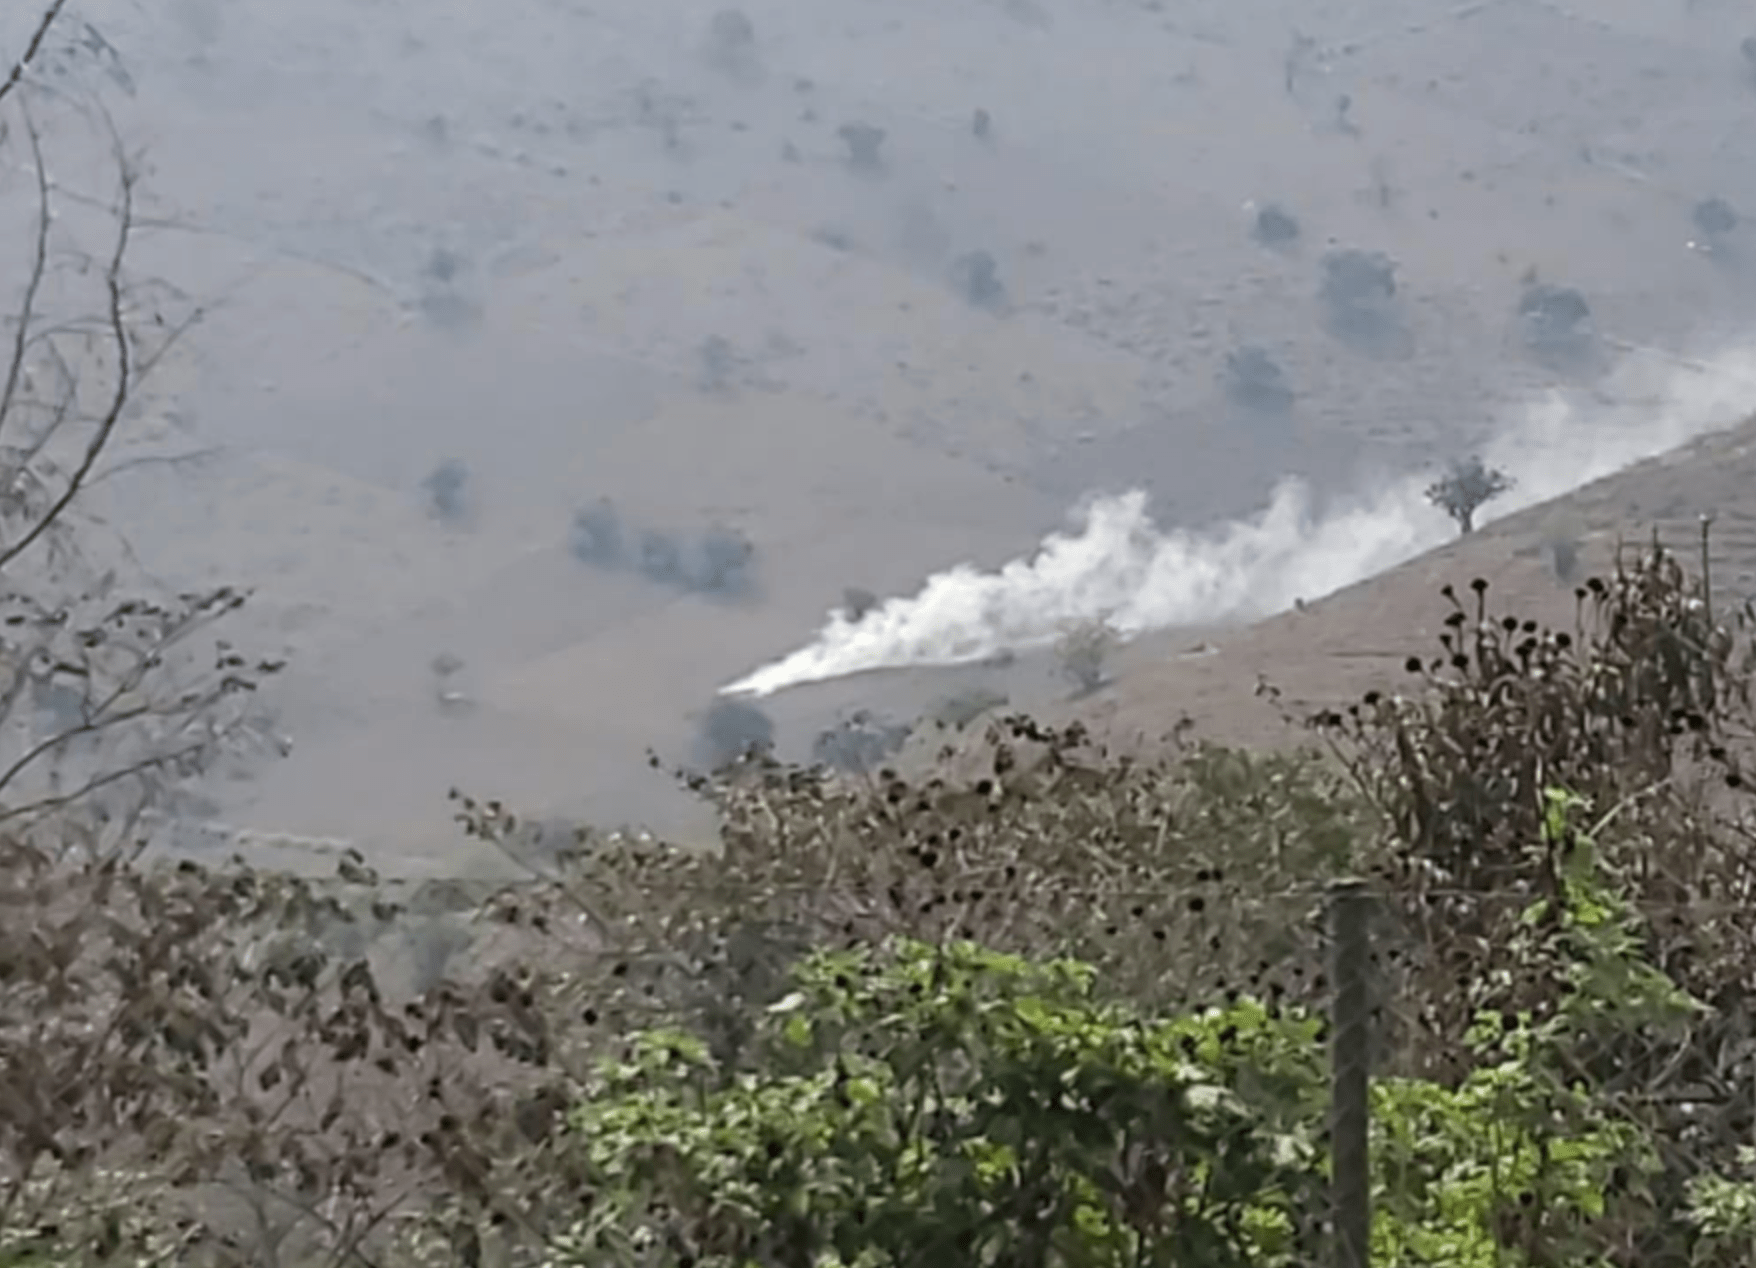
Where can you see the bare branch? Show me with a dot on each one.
(189, 458)
(118, 331)
(33, 48)
(60, 801)
(38, 268)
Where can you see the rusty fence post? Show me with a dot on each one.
(1350, 1048)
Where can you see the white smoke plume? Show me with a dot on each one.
(1119, 565)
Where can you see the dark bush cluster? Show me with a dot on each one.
(1274, 226)
(447, 491)
(1359, 294)
(1555, 322)
(976, 274)
(865, 142)
(1357, 282)
(731, 41)
(1254, 379)
(714, 561)
(733, 730)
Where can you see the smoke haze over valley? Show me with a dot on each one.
(562, 365)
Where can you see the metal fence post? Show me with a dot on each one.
(1350, 1047)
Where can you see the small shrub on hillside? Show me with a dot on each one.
(597, 536)
(1083, 650)
(447, 490)
(718, 364)
(731, 41)
(1273, 225)
(856, 602)
(864, 143)
(659, 557)
(1254, 379)
(731, 730)
(722, 564)
(976, 274)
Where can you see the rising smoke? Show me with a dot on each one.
(1117, 563)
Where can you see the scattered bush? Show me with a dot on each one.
(856, 602)
(1358, 292)
(1555, 322)
(1254, 380)
(976, 274)
(1273, 225)
(731, 40)
(864, 141)
(443, 265)
(723, 562)
(660, 558)
(597, 536)
(719, 363)
(447, 492)
(731, 731)
(718, 562)
(1356, 281)
(1714, 218)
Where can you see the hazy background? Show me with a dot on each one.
(581, 252)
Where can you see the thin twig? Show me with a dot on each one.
(39, 267)
(153, 460)
(118, 328)
(33, 48)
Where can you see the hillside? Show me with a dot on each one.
(570, 252)
(1333, 649)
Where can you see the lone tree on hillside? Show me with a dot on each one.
(109, 700)
(1465, 487)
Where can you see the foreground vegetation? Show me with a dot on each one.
(1041, 1005)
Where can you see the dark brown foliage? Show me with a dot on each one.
(1643, 709)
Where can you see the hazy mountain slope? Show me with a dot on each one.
(562, 246)
(1334, 649)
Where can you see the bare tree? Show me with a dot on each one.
(108, 699)
(1465, 488)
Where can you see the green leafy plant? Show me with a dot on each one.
(924, 1105)
(920, 1105)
